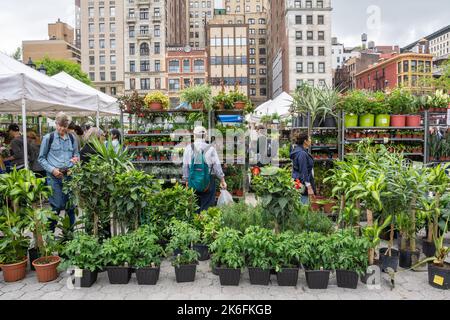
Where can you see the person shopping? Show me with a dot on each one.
(303, 164)
(17, 149)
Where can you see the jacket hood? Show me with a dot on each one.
(296, 151)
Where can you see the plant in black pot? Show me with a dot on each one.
(147, 254)
(183, 235)
(228, 256)
(207, 223)
(350, 257)
(118, 257)
(259, 247)
(84, 254)
(286, 258)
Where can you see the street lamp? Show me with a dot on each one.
(42, 69)
(31, 64)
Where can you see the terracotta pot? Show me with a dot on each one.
(156, 106)
(398, 136)
(239, 105)
(398, 121)
(328, 208)
(46, 272)
(198, 105)
(14, 272)
(239, 193)
(413, 121)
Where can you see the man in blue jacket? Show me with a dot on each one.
(303, 164)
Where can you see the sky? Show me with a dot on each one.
(387, 22)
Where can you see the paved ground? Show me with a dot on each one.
(409, 285)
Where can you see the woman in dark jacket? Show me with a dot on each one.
(303, 164)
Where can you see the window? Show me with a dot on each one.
(112, 58)
(157, 48)
(143, 14)
(91, 12)
(319, 4)
(308, 4)
(310, 67)
(112, 27)
(91, 28)
(145, 66)
(427, 66)
(399, 67)
(132, 49)
(186, 66)
(92, 76)
(158, 83)
(199, 65)
(320, 20)
(174, 66)
(310, 35)
(112, 11)
(174, 84)
(113, 76)
(298, 35)
(113, 91)
(310, 51)
(102, 76)
(102, 60)
(132, 66)
(406, 66)
(299, 51)
(101, 43)
(103, 89)
(101, 12)
(112, 43)
(132, 84)
(309, 19)
(322, 83)
(157, 31)
(321, 67)
(145, 84)
(157, 65)
(91, 44)
(131, 32)
(321, 35)
(144, 49)
(299, 67)
(321, 51)
(101, 27)
(413, 65)
(298, 19)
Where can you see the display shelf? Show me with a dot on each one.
(388, 139)
(384, 128)
(152, 162)
(314, 128)
(156, 134)
(333, 147)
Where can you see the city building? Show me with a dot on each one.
(186, 67)
(407, 70)
(102, 44)
(299, 44)
(200, 13)
(345, 77)
(59, 46)
(177, 17)
(78, 23)
(145, 42)
(228, 53)
(340, 54)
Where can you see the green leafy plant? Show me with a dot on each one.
(286, 253)
(222, 101)
(355, 102)
(196, 94)
(208, 223)
(315, 251)
(183, 237)
(118, 251)
(84, 252)
(259, 247)
(349, 251)
(147, 251)
(227, 249)
(14, 244)
(372, 234)
(157, 97)
(400, 100)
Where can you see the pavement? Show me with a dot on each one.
(409, 285)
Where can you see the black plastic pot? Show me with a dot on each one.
(186, 273)
(202, 249)
(119, 275)
(329, 122)
(347, 279)
(406, 258)
(259, 276)
(318, 122)
(88, 279)
(317, 279)
(387, 261)
(214, 269)
(147, 276)
(439, 277)
(34, 254)
(229, 276)
(428, 248)
(287, 277)
(177, 252)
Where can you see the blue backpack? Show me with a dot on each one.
(199, 174)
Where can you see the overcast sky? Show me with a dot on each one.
(388, 21)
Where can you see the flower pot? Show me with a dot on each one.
(15, 271)
(347, 279)
(46, 268)
(119, 275)
(239, 105)
(147, 276)
(155, 106)
(413, 120)
(398, 121)
(387, 261)
(197, 105)
(185, 273)
(408, 258)
(428, 248)
(367, 120)
(88, 278)
(330, 122)
(259, 276)
(33, 254)
(317, 279)
(239, 193)
(287, 277)
(202, 249)
(439, 277)
(229, 276)
(351, 120)
(328, 207)
(382, 120)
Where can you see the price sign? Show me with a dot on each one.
(173, 181)
(78, 273)
(386, 140)
(438, 280)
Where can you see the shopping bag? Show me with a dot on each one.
(225, 198)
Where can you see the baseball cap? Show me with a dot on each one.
(199, 130)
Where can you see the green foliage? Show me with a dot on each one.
(372, 233)
(14, 244)
(157, 97)
(349, 251)
(83, 252)
(198, 93)
(401, 101)
(315, 251)
(355, 102)
(209, 224)
(183, 237)
(55, 66)
(146, 250)
(118, 251)
(228, 250)
(259, 247)
(240, 216)
(222, 101)
(305, 220)
(286, 253)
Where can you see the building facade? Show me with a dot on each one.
(145, 46)
(177, 17)
(300, 44)
(407, 70)
(102, 44)
(78, 23)
(200, 13)
(186, 67)
(59, 46)
(438, 44)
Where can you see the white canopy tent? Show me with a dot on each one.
(280, 105)
(24, 90)
(106, 105)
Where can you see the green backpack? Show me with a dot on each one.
(199, 174)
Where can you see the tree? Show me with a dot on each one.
(17, 54)
(54, 66)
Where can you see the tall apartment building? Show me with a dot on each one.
(177, 17)
(59, 46)
(200, 13)
(228, 53)
(145, 45)
(299, 44)
(78, 23)
(102, 44)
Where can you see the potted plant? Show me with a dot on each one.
(353, 105)
(157, 101)
(367, 117)
(228, 256)
(117, 253)
(184, 258)
(198, 97)
(238, 99)
(148, 255)
(287, 259)
(206, 222)
(84, 253)
(131, 104)
(399, 100)
(378, 106)
(259, 247)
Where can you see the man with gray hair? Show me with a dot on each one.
(59, 152)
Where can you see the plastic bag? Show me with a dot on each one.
(225, 198)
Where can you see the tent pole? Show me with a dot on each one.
(98, 119)
(24, 129)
